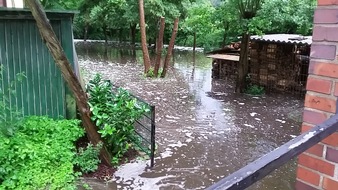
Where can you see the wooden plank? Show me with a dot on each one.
(224, 57)
(260, 168)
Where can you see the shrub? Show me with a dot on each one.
(40, 155)
(115, 115)
(87, 159)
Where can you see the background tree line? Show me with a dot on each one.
(205, 23)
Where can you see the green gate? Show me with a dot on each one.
(43, 91)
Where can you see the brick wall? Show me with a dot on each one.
(318, 166)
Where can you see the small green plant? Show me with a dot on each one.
(9, 117)
(150, 73)
(115, 115)
(255, 90)
(40, 155)
(86, 186)
(87, 159)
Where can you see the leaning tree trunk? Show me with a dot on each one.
(146, 59)
(159, 46)
(243, 66)
(62, 62)
(170, 48)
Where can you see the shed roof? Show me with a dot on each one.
(284, 38)
(15, 13)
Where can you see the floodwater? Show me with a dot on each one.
(204, 131)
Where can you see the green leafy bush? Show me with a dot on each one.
(40, 155)
(115, 115)
(87, 159)
(255, 90)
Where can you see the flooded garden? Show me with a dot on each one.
(204, 131)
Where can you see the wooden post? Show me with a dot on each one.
(146, 59)
(243, 65)
(159, 46)
(170, 48)
(62, 62)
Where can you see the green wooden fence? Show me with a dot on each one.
(43, 91)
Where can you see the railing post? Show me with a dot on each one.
(152, 154)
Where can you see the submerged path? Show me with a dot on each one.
(204, 130)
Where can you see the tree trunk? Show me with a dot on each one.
(85, 37)
(105, 36)
(62, 62)
(243, 66)
(159, 46)
(133, 34)
(146, 59)
(226, 27)
(194, 46)
(170, 48)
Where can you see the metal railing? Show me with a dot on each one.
(144, 128)
(260, 168)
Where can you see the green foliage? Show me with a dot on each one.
(9, 117)
(150, 73)
(216, 22)
(255, 90)
(40, 155)
(288, 16)
(88, 159)
(115, 115)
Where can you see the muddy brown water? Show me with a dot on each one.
(204, 131)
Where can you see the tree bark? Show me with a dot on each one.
(105, 36)
(62, 62)
(243, 66)
(146, 59)
(194, 45)
(159, 46)
(85, 37)
(133, 34)
(170, 48)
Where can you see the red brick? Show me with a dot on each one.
(326, 16)
(308, 176)
(327, 2)
(324, 69)
(329, 184)
(316, 150)
(314, 117)
(302, 186)
(336, 89)
(332, 155)
(320, 103)
(306, 128)
(323, 51)
(316, 164)
(323, 33)
(319, 85)
(332, 140)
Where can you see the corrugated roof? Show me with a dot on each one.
(284, 38)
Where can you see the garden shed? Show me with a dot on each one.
(43, 91)
(279, 62)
